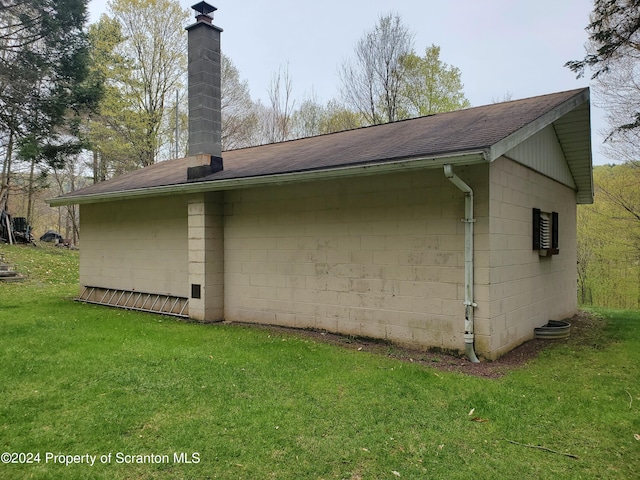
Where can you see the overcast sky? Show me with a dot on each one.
(502, 47)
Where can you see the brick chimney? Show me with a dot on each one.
(205, 122)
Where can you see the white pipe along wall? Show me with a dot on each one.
(468, 262)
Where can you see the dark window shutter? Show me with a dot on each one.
(536, 229)
(554, 230)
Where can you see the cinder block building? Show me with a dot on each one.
(455, 231)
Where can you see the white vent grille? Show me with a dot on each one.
(545, 230)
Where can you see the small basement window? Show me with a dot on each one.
(545, 232)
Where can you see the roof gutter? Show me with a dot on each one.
(463, 158)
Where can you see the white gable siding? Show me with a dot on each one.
(542, 152)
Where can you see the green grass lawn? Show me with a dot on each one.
(246, 403)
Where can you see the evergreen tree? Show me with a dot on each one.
(43, 73)
(43, 78)
(614, 35)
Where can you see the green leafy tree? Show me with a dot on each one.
(314, 118)
(44, 75)
(307, 119)
(120, 133)
(430, 85)
(387, 81)
(609, 239)
(154, 47)
(111, 129)
(338, 118)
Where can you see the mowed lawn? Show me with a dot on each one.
(144, 396)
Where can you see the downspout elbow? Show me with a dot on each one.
(448, 171)
(469, 349)
(457, 181)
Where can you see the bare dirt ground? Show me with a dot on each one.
(584, 330)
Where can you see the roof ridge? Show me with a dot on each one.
(395, 122)
(474, 129)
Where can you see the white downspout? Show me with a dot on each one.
(468, 262)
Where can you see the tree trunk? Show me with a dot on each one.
(31, 192)
(75, 238)
(6, 174)
(96, 167)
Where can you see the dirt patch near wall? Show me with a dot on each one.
(585, 329)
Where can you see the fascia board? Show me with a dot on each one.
(415, 163)
(503, 146)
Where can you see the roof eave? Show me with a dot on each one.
(500, 148)
(414, 163)
(578, 166)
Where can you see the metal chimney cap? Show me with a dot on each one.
(203, 8)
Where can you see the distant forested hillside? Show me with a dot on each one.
(609, 239)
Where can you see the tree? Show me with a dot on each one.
(109, 132)
(429, 85)
(372, 81)
(68, 179)
(614, 36)
(277, 118)
(25, 23)
(43, 68)
(239, 116)
(507, 97)
(338, 118)
(155, 45)
(120, 133)
(388, 81)
(307, 119)
(43, 75)
(609, 265)
(618, 94)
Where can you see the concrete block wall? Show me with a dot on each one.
(526, 290)
(136, 245)
(378, 256)
(204, 58)
(206, 255)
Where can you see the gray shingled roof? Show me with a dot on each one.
(463, 136)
